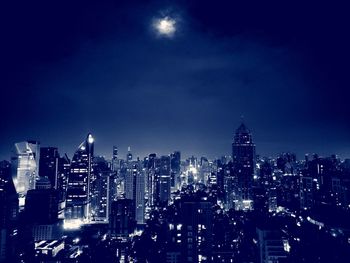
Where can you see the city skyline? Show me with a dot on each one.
(111, 70)
(170, 208)
(174, 131)
(106, 149)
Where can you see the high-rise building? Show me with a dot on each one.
(152, 180)
(8, 212)
(42, 203)
(272, 247)
(164, 179)
(306, 192)
(243, 155)
(56, 169)
(62, 179)
(122, 217)
(196, 230)
(175, 169)
(100, 190)
(135, 189)
(25, 167)
(115, 161)
(48, 164)
(41, 211)
(79, 182)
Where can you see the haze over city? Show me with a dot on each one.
(73, 68)
(174, 131)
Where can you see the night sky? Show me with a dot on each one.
(73, 67)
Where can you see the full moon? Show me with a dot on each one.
(165, 26)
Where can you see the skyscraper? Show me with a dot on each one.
(100, 189)
(48, 164)
(56, 169)
(135, 189)
(164, 179)
(79, 181)
(243, 155)
(122, 217)
(8, 212)
(115, 161)
(175, 169)
(62, 179)
(41, 211)
(152, 179)
(196, 230)
(25, 167)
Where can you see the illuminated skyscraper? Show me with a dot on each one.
(25, 167)
(243, 155)
(135, 189)
(152, 179)
(164, 179)
(79, 181)
(175, 169)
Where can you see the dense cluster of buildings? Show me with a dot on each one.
(238, 208)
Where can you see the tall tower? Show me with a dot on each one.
(25, 167)
(175, 169)
(100, 190)
(48, 164)
(165, 179)
(79, 181)
(243, 155)
(8, 213)
(135, 189)
(115, 159)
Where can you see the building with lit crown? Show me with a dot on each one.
(79, 182)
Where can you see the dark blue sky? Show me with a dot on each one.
(73, 67)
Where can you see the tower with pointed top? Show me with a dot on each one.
(79, 181)
(243, 155)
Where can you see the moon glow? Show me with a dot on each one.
(165, 26)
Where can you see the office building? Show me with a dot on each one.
(135, 188)
(79, 182)
(243, 155)
(25, 167)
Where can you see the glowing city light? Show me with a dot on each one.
(90, 139)
(193, 170)
(72, 224)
